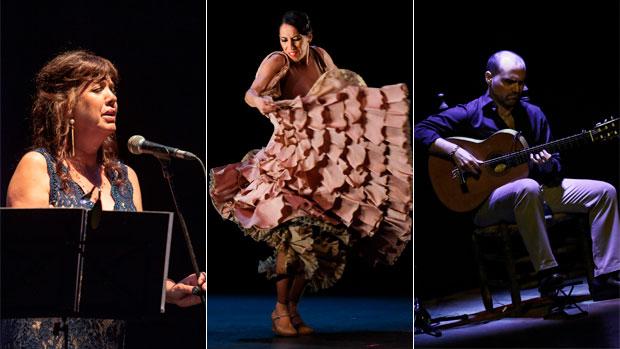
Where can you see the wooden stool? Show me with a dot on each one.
(508, 249)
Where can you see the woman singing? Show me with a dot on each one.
(73, 163)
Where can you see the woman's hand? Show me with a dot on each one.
(266, 105)
(180, 293)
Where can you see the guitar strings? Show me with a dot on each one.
(523, 154)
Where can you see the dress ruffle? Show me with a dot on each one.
(336, 171)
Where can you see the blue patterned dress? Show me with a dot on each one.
(38, 333)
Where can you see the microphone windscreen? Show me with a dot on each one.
(134, 144)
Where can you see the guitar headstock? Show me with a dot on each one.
(605, 130)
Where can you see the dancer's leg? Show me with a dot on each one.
(281, 319)
(296, 290)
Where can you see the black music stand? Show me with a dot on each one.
(55, 264)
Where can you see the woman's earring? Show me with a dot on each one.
(71, 122)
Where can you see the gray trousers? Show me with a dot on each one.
(521, 201)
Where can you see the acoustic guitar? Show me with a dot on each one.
(504, 156)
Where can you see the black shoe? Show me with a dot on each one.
(606, 286)
(549, 284)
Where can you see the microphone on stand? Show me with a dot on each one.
(138, 145)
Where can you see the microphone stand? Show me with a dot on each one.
(165, 166)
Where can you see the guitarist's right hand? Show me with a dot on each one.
(462, 158)
(465, 161)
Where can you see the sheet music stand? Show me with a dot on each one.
(53, 264)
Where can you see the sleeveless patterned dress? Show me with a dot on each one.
(38, 333)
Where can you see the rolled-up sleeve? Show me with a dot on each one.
(442, 125)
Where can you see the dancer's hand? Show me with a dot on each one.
(266, 105)
(180, 293)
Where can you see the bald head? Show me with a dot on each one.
(505, 77)
(504, 60)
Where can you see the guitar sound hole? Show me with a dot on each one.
(500, 169)
(497, 169)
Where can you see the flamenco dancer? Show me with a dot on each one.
(336, 173)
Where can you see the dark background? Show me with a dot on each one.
(159, 50)
(571, 52)
(373, 41)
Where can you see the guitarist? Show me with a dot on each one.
(522, 201)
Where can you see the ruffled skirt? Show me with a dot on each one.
(336, 173)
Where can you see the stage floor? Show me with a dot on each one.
(600, 328)
(244, 322)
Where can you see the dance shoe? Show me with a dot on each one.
(300, 325)
(279, 329)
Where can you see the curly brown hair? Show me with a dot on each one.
(58, 85)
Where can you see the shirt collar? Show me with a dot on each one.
(488, 104)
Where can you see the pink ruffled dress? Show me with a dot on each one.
(335, 175)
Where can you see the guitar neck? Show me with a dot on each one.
(523, 155)
(504, 156)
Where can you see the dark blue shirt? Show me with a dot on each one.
(479, 119)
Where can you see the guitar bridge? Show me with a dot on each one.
(460, 175)
(455, 172)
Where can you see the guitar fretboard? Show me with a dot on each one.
(607, 130)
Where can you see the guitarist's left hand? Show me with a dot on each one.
(541, 158)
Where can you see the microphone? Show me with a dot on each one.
(138, 145)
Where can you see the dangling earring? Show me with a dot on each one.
(71, 122)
